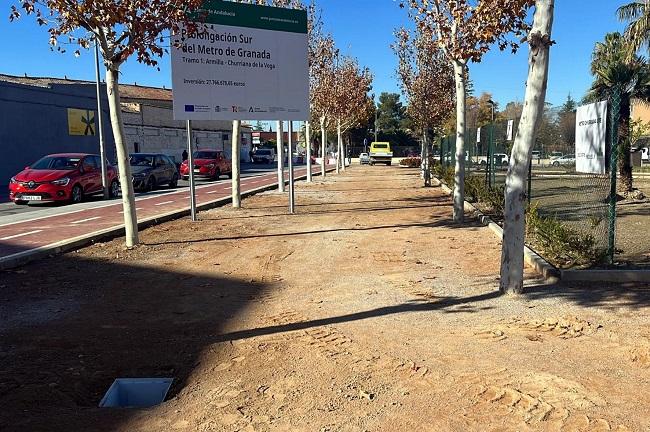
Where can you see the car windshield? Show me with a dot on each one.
(380, 146)
(205, 155)
(263, 152)
(141, 160)
(56, 163)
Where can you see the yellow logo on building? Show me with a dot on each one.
(81, 122)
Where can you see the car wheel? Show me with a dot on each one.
(77, 195)
(151, 184)
(556, 164)
(20, 202)
(230, 175)
(186, 178)
(114, 189)
(216, 175)
(174, 183)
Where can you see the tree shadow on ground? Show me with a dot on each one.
(444, 304)
(323, 212)
(446, 223)
(594, 294)
(71, 326)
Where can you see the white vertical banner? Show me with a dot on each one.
(591, 128)
(511, 125)
(478, 135)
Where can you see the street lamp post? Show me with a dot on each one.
(100, 126)
(491, 173)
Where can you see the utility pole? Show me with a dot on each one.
(100, 125)
(190, 166)
(491, 173)
(376, 115)
(292, 204)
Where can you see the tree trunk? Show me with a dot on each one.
(425, 159)
(625, 184)
(128, 197)
(343, 151)
(514, 227)
(338, 146)
(236, 146)
(323, 149)
(459, 176)
(280, 151)
(422, 158)
(308, 145)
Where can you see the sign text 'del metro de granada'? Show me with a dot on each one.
(246, 62)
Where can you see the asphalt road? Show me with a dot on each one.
(8, 209)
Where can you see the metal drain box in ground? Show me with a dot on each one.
(136, 392)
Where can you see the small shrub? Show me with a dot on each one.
(561, 244)
(445, 174)
(411, 162)
(477, 191)
(473, 188)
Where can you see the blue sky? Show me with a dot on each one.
(364, 29)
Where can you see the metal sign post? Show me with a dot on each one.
(291, 191)
(100, 126)
(190, 170)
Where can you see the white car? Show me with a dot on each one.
(563, 160)
(364, 158)
(500, 159)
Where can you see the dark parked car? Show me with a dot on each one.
(264, 155)
(62, 177)
(150, 170)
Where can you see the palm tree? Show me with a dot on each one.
(618, 69)
(637, 14)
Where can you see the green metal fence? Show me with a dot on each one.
(586, 204)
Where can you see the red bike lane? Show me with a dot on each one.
(25, 240)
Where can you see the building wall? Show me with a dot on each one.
(641, 112)
(34, 123)
(153, 129)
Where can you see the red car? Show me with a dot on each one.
(62, 177)
(209, 164)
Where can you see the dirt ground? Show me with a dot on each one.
(369, 310)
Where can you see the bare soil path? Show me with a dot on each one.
(369, 310)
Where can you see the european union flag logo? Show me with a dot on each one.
(189, 108)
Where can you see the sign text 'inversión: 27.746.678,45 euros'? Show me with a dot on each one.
(244, 62)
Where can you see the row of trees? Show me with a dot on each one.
(460, 32)
(339, 90)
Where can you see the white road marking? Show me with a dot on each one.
(115, 203)
(165, 202)
(20, 235)
(86, 220)
(212, 192)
